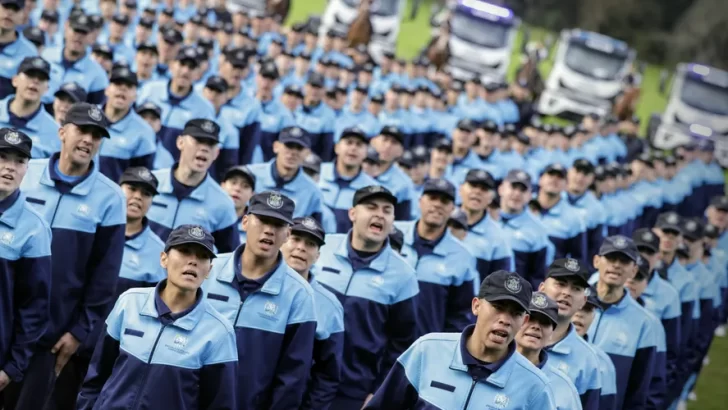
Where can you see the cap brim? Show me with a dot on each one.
(43, 73)
(233, 172)
(66, 93)
(104, 131)
(669, 227)
(360, 137)
(439, 192)
(569, 275)
(81, 29)
(190, 242)
(541, 312)
(512, 298)
(17, 149)
(294, 141)
(201, 136)
(382, 195)
(519, 182)
(145, 185)
(320, 241)
(648, 246)
(271, 214)
(618, 251)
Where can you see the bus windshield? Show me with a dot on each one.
(705, 97)
(479, 31)
(594, 63)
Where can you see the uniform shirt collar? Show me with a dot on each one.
(20, 122)
(478, 368)
(358, 262)
(278, 179)
(8, 202)
(423, 246)
(543, 357)
(251, 284)
(164, 314)
(133, 238)
(60, 184)
(121, 124)
(176, 99)
(563, 346)
(506, 217)
(179, 189)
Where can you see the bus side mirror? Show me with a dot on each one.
(664, 76)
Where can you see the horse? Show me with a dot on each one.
(625, 105)
(438, 50)
(278, 8)
(528, 76)
(361, 30)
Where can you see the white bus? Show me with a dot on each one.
(697, 105)
(587, 75)
(386, 16)
(482, 36)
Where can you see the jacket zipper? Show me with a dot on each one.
(55, 211)
(149, 362)
(470, 393)
(240, 309)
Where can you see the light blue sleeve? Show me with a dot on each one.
(225, 350)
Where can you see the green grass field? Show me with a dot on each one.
(711, 391)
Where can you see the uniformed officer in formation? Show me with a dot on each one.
(26, 267)
(479, 365)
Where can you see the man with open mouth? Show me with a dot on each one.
(269, 305)
(166, 346)
(476, 367)
(624, 330)
(531, 342)
(86, 213)
(301, 251)
(26, 272)
(566, 283)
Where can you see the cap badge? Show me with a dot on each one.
(38, 63)
(12, 138)
(208, 126)
(539, 301)
(513, 284)
(691, 226)
(309, 223)
(672, 219)
(144, 174)
(572, 265)
(275, 200)
(620, 242)
(375, 188)
(521, 175)
(196, 232)
(124, 72)
(94, 113)
(442, 184)
(480, 174)
(648, 237)
(296, 132)
(587, 292)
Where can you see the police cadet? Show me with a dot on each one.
(316, 117)
(566, 282)
(72, 62)
(189, 195)
(564, 226)
(301, 251)
(139, 268)
(284, 173)
(582, 320)
(178, 100)
(132, 142)
(579, 178)
(67, 95)
(624, 329)
(344, 176)
(270, 306)
(657, 391)
(86, 213)
(239, 183)
(669, 232)
(166, 346)
(477, 367)
(389, 146)
(531, 341)
(26, 261)
(274, 116)
(525, 233)
(444, 267)
(377, 289)
(476, 194)
(16, 47)
(662, 299)
(23, 112)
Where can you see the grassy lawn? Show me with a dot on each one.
(711, 391)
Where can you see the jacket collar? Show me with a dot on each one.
(272, 286)
(409, 229)
(499, 378)
(14, 208)
(186, 322)
(563, 346)
(138, 240)
(82, 187)
(379, 263)
(165, 184)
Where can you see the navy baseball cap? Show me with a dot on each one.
(140, 176)
(272, 205)
(518, 176)
(296, 136)
(149, 107)
(443, 144)
(720, 203)
(392, 131)
(310, 227)
(643, 269)
(85, 114)
(693, 229)
(147, 46)
(216, 83)
(104, 50)
(407, 160)
(293, 89)
(191, 234)
(569, 268)
(592, 298)
(372, 192)
(583, 165)
(465, 125)
(80, 22)
(35, 35)
(372, 155)
(312, 163)
(544, 305)
(123, 75)
(619, 244)
(555, 169)
(669, 222)
(683, 251)
(439, 186)
(396, 239)
(645, 238)
(12, 139)
(459, 218)
(354, 132)
(202, 129)
(73, 91)
(243, 171)
(35, 65)
(502, 285)
(188, 54)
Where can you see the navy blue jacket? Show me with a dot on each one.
(445, 271)
(275, 326)
(87, 220)
(39, 126)
(378, 296)
(25, 282)
(150, 358)
(132, 144)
